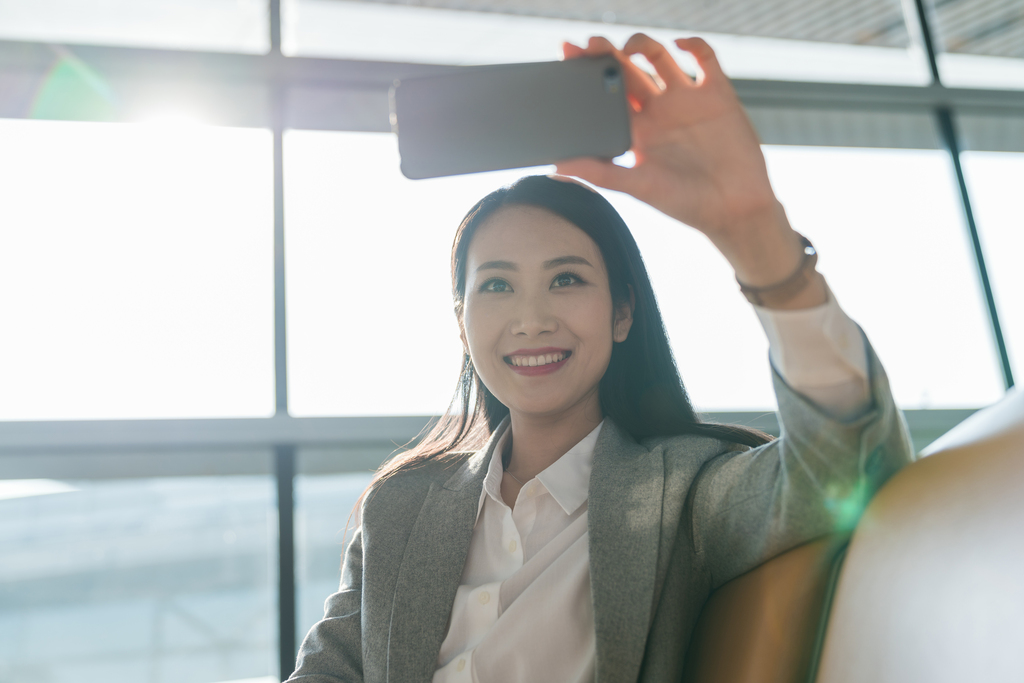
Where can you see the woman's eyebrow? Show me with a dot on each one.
(553, 263)
(565, 260)
(499, 265)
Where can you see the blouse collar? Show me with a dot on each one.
(566, 479)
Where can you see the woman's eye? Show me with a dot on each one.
(564, 280)
(495, 286)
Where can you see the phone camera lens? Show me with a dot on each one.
(612, 81)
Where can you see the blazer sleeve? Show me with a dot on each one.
(332, 651)
(817, 477)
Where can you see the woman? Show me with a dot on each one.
(566, 520)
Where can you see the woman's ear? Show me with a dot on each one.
(623, 320)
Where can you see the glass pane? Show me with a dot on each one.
(896, 210)
(889, 228)
(370, 324)
(217, 25)
(323, 527)
(982, 42)
(372, 335)
(696, 289)
(136, 271)
(801, 41)
(138, 580)
(995, 179)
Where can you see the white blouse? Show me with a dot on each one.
(523, 610)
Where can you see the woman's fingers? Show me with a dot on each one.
(570, 51)
(659, 57)
(705, 56)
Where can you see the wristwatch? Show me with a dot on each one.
(781, 292)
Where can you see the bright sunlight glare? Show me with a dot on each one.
(172, 117)
(26, 488)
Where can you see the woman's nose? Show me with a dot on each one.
(533, 317)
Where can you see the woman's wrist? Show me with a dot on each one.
(764, 250)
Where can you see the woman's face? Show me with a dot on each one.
(538, 318)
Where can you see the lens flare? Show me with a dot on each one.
(73, 91)
(847, 505)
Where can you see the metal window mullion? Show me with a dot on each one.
(948, 132)
(284, 455)
(950, 138)
(280, 317)
(284, 472)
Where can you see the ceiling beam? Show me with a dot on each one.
(238, 85)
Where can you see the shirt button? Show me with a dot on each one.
(461, 665)
(484, 598)
(512, 546)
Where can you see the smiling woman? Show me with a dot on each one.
(550, 264)
(570, 513)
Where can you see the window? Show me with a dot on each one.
(138, 579)
(136, 271)
(371, 330)
(324, 524)
(919, 301)
(218, 25)
(995, 179)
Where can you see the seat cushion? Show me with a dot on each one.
(762, 626)
(932, 588)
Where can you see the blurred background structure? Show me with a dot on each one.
(221, 305)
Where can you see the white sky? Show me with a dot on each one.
(136, 271)
(136, 275)
(887, 223)
(995, 180)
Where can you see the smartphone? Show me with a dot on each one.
(486, 118)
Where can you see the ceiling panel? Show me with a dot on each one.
(854, 22)
(980, 27)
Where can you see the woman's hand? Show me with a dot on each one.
(698, 160)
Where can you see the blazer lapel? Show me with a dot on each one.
(624, 522)
(431, 571)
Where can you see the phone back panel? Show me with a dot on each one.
(510, 116)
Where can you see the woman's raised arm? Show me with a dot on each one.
(699, 160)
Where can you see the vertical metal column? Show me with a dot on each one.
(947, 129)
(950, 138)
(284, 455)
(277, 104)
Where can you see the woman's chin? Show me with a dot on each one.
(547, 408)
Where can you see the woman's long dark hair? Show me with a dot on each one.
(641, 390)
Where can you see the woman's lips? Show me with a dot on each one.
(532, 362)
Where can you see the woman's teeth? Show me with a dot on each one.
(532, 361)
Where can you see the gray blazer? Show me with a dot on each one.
(670, 519)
